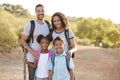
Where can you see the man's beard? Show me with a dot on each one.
(40, 18)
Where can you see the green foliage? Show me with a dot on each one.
(10, 30)
(98, 30)
(15, 9)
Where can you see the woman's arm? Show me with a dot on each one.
(72, 46)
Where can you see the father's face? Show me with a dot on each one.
(40, 12)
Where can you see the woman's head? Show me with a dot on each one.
(59, 20)
(44, 41)
(58, 44)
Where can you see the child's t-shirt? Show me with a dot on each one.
(42, 71)
(60, 71)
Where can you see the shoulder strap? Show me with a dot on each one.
(53, 60)
(30, 37)
(66, 32)
(67, 62)
(49, 54)
(48, 24)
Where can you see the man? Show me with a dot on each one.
(40, 28)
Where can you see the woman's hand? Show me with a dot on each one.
(69, 54)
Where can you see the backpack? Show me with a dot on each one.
(67, 61)
(30, 37)
(68, 41)
(49, 54)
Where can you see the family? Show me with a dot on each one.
(44, 63)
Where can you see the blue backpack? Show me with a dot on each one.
(53, 61)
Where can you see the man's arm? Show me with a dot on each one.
(26, 46)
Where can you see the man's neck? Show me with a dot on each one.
(40, 21)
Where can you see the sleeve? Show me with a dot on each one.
(49, 65)
(26, 30)
(71, 35)
(71, 64)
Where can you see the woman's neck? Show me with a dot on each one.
(59, 29)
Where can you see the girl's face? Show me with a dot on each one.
(59, 46)
(44, 44)
(57, 22)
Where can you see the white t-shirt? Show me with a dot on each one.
(62, 35)
(42, 71)
(39, 29)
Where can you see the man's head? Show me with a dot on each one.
(39, 10)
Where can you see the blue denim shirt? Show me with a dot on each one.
(60, 71)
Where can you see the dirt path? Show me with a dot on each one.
(91, 64)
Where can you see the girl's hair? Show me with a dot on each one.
(63, 20)
(48, 37)
(58, 39)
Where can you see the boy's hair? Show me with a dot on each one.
(58, 39)
(38, 5)
(40, 37)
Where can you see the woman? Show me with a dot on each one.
(60, 25)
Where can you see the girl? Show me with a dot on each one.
(60, 71)
(41, 72)
(60, 25)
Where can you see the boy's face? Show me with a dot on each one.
(59, 46)
(44, 43)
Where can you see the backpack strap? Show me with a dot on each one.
(68, 41)
(53, 60)
(66, 32)
(49, 54)
(30, 37)
(66, 58)
(48, 24)
(67, 62)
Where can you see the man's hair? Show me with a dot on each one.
(58, 39)
(39, 5)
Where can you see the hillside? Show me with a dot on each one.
(91, 63)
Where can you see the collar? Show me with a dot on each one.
(63, 54)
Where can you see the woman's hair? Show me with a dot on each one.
(62, 18)
(48, 37)
(58, 39)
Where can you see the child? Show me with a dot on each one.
(41, 72)
(59, 70)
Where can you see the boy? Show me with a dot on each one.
(58, 69)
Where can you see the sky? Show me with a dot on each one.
(107, 9)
